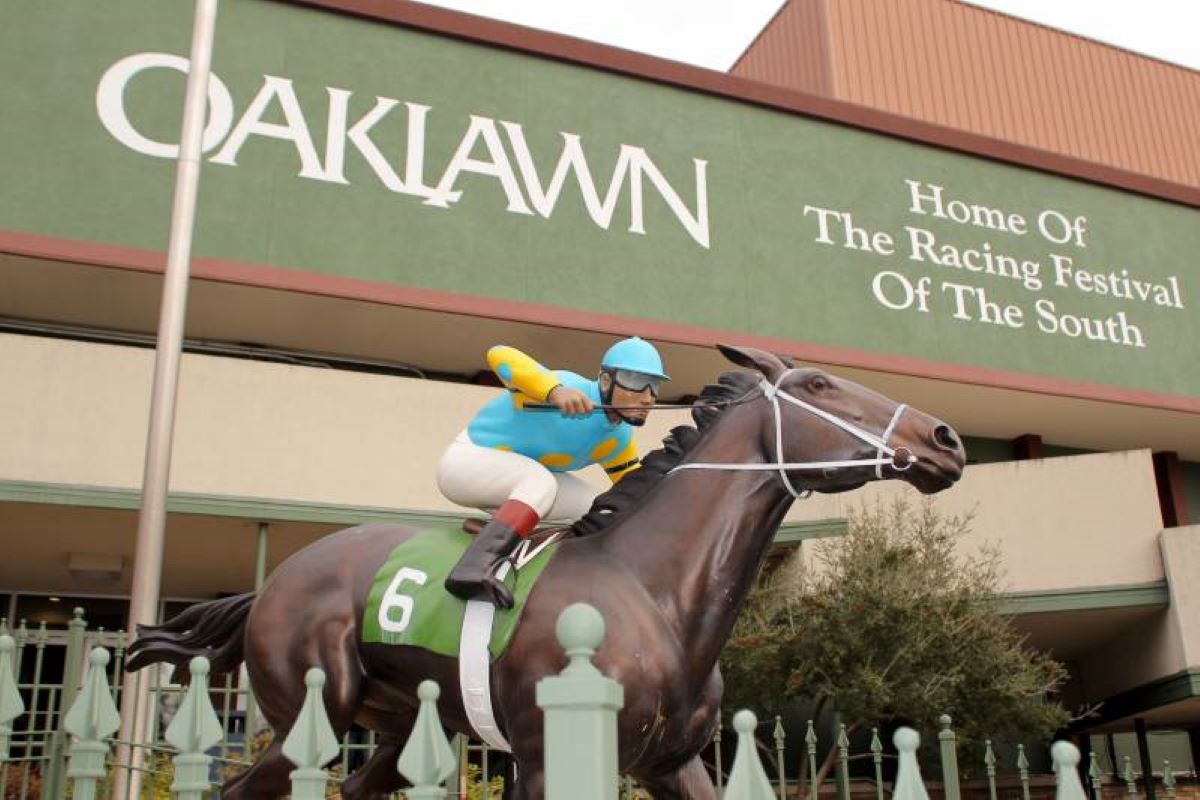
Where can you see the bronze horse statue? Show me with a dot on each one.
(669, 574)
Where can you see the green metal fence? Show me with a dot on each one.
(56, 736)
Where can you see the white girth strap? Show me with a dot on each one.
(885, 454)
(474, 671)
(475, 658)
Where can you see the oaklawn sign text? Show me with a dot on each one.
(386, 156)
(522, 185)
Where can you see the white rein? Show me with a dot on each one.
(899, 459)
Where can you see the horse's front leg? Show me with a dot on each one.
(689, 782)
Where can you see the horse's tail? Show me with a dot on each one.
(215, 630)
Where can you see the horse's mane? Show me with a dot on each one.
(629, 491)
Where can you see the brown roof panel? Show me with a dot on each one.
(965, 67)
(797, 56)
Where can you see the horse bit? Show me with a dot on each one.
(898, 458)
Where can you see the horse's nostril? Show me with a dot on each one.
(945, 438)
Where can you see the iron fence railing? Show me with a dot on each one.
(40, 743)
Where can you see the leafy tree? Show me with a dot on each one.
(892, 623)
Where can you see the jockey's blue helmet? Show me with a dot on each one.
(635, 355)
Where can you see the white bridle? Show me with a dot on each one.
(899, 458)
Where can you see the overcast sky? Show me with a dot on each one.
(1166, 29)
(713, 33)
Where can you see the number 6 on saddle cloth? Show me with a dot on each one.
(407, 605)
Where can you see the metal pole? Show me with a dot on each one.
(260, 576)
(147, 565)
(260, 560)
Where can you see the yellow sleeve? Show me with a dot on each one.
(521, 373)
(622, 463)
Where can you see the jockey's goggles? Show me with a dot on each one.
(632, 381)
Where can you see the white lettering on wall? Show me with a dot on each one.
(571, 159)
(983, 270)
(481, 129)
(110, 104)
(294, 130)
(481, 150)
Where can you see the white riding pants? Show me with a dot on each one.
(484, 477)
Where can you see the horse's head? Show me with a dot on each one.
(828, 421)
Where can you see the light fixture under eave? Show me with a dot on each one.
(95, 566)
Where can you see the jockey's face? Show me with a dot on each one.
(641, 401)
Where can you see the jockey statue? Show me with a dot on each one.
(516, 462)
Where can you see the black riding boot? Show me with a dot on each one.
(474, 576)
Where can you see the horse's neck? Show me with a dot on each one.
(697, 542)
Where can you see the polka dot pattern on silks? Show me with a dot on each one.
(558, 442)
(556, 460)
(604, 449)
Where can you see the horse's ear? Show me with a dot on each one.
(753, 358)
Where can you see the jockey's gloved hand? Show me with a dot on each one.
(570, 402)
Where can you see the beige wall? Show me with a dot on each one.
(1165, 643)
(1142, 653)
(1181, 558)
(1061, 523)
(75, 413)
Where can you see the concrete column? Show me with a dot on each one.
(260, 575)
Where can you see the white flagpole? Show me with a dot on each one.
(136, 702)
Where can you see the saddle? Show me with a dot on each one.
(408, 606)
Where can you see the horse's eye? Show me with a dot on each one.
(818, 384)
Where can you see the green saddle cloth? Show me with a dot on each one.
(408, 605)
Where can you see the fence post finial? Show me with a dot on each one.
(92, 718)
(1130, 780)
(57, 750)
(1094, 776)
(11, 704)
(1065, 757)
(194, 730)
(747, 780)
(580, 706)
(909, 785)
(780, 768)
(989, 762)
(427, 759)
(949, 748)
(1023, 771)
(877, 758)
(311, 742)
(810, 743)
(843, 763)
